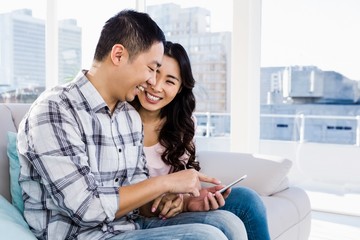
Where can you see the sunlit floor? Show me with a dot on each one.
(335, 202)
(335, 216)
(330, 226)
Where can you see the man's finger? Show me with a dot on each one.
(195, 193)
(204, 178)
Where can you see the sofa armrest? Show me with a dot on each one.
(266, 174)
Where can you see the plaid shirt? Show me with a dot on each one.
(74, 156)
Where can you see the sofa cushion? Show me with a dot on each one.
(12, 224)
(265, 174)
(15, 189)
(288, 213)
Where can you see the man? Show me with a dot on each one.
(83, 171)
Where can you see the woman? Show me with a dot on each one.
(166, 110)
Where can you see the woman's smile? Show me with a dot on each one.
(152, 98)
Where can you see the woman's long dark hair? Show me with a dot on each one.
(178, 130)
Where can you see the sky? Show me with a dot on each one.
(323, 33)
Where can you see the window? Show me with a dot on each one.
(309, 83)
(22, 50)
(309, 64)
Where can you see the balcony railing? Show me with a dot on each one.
(333, 129)
(324, 149)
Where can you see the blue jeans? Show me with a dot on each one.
(217, 225)
(248, 206)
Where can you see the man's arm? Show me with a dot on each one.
(51, 143)
(54, 160)
(137, 195)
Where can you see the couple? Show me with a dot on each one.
(81, 148)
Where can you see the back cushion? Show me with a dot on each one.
(10, 116)
(6, 125)
(265, 174)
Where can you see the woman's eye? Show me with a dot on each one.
(170, 82)
(151, 69)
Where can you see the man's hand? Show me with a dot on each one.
(169, 205)
(142, 194)
(188, 181)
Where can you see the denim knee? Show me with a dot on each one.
(248, 198)
(249, 207)
(198, 231)
(230, 224)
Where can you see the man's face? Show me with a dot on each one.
(136, 74)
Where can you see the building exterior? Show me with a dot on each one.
(306, 104)
(69, 50)
(209, 52)
(22, 52)
(22, 49)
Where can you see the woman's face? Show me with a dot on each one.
(168, 84)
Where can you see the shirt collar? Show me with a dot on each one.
(91, 94)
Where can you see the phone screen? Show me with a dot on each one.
(232, 184)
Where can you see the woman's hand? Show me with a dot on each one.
(209, 199)
(168, 205)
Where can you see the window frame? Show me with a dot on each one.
(245, 76)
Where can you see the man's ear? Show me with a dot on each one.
(117, 53)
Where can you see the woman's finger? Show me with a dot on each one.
(156, 203)
(213, 200)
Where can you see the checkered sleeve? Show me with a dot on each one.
(57, 153)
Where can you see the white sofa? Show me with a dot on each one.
(288, 207)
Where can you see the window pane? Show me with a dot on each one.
(310, 58)
(310, 91)
(22, 50)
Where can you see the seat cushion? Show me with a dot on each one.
(287, 212)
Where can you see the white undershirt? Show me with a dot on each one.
(155, 164)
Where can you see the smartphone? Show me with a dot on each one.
(232, 184)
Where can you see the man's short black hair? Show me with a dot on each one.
(136, 31)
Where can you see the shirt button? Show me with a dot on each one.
(116, 179)
(119, 149)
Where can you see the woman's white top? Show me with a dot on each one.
(155, 164)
